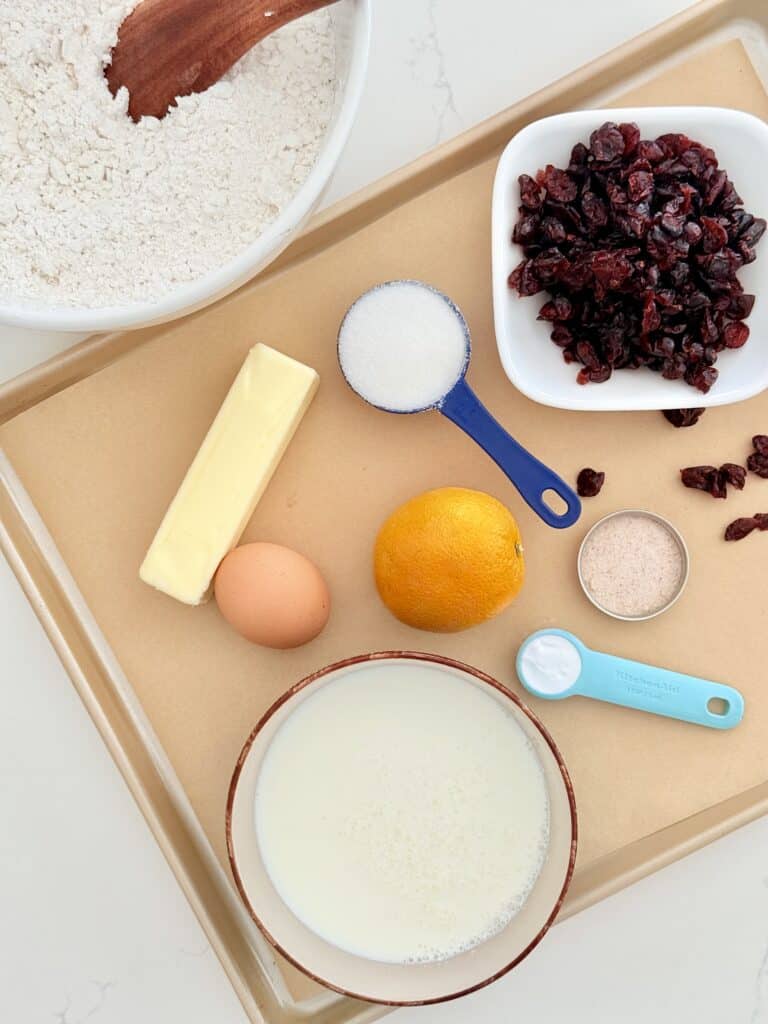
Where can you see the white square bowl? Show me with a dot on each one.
(531, 360)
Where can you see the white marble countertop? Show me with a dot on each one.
(93, 926)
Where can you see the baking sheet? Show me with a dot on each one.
(101, 457)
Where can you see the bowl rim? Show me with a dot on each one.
(592, 400)
(226, 278)
(434, 659)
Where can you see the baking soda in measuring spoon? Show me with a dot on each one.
(403, 346)
(551, 663)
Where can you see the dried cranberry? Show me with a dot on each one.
(694, 350)
(746, 251)
(553, 230)
(674, 369)
(760, 444)
(665, 348)
(610, 269)
(752, 235)
(526, 229)
(716, 184)
(587, 355)
(559, 308)
(679, 274)
(673, 224)
(651, 318)
(683, 417)
(701, 478)
(674, 143)
(561, 336)
(758, 463)
(735, 334)
(589, 483)
(692, 232)
(523, 279)
(606, 143)
(740, 528)
(631, 135)
(617, 197)
(713, 480)
(740, 306)
(579, 155)
(650, 151)
(594, 375)
(729, 197)
(715, 235)
(530, 193)
(559, 184)
(708, 330)
(640, 185)
(735, 475)
(594, 209)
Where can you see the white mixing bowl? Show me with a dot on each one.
(351, 23)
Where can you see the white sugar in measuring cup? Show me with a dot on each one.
(404, 347)
(553, 664)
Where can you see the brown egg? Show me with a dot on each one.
(272, 595)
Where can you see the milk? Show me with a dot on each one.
(402, 813)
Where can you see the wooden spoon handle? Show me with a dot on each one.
(170, 48)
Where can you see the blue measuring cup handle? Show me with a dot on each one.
(531, 477)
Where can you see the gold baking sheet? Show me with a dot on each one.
(97, 441)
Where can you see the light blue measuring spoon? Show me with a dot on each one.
(553, 664)
(404, 347)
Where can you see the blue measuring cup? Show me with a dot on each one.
(456, 400)
(553, 664)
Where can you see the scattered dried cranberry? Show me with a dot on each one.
(758, 463)
(713, 480)
(589, 483)
(734, 475)
(758, 460)
(701, 478)
(741, 528)
(638, 244)
(683, 417)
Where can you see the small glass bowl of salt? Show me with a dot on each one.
(633, 565)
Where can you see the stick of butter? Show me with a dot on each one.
(229, 474)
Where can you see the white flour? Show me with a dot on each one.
(95, 210)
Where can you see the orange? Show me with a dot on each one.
(449, 559)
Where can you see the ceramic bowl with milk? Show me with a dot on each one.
(401, 828)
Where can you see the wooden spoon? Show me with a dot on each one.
(170, 48)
